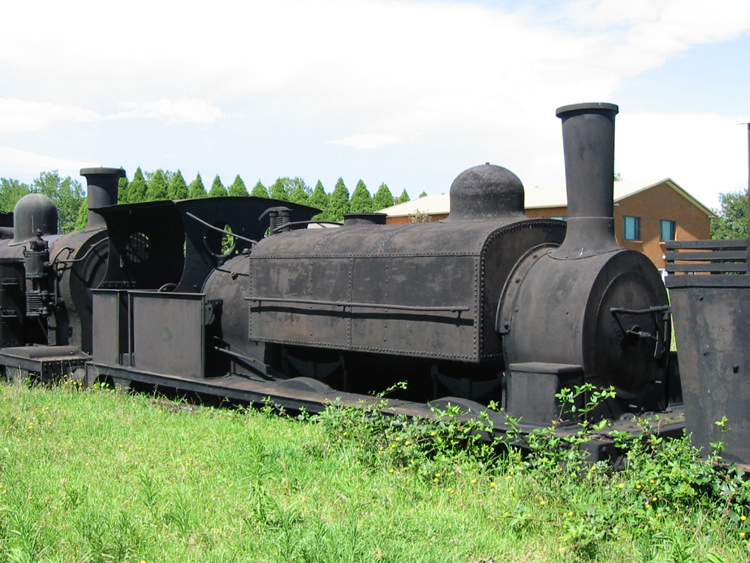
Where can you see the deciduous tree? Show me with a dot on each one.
(10, 192)
(67, 194)
(731, 218)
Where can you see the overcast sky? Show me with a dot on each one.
(404, 92)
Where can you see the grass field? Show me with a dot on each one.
(98, 475)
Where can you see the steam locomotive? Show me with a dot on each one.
(485, 305)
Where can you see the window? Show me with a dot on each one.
(631, 228)
(667, 230)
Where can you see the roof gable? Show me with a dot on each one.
(541, 198)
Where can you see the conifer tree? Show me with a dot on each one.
(338, 202)
(259, 190)
(238, 189)
(361, 199)
(197, 189)
(123, 190)
(318, 199)
(177, 187)
(404, 197)
(300, 196)
(383, 198)
(137, 187)
(157, 187)
(280, 190)
(423, 194)
(217, 188)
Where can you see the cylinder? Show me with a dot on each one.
(102, 191)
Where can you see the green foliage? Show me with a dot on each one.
(238, 189)
(281, 189)
(404, 197)
(83, 216)
(338, 202)
(157, 187)
(137, 187)
(383, 198)
(177, 187)
(217, 188)
(731, 218)
(361, 199)
(259, 190)
(67, 195)
(10, 192)
(318, 199)
(203, 484)
(197, 189)
(434, 450)
(300, 195)
(423, 194)
(123, 191)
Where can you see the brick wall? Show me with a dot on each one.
(652, 206)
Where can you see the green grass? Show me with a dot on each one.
(105, 476)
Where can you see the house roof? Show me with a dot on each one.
(540, 197)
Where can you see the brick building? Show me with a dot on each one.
(647, 213)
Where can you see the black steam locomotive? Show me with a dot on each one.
(485, 305)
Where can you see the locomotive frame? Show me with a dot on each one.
(308, 316)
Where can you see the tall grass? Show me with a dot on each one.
(103, 476)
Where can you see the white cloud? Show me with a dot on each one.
(643, 34)
(17, 116)
(22, 115)
(25, 165)
(181, 110)
(448, 84)
(369, 141)
(704, 153)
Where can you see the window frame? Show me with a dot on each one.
(635, 228)
(673, 229)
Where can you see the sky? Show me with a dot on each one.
(405, 92)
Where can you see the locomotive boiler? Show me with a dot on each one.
(486, 305)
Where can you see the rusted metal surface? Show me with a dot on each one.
(574, 304)
(427, 289)
(485, 305)
(710, 290)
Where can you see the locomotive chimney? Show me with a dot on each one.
(589, 148)
(102, 191)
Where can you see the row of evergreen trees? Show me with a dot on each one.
(171, 185)
(70, 198)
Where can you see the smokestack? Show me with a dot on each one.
(589, 148)
(102, 191)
